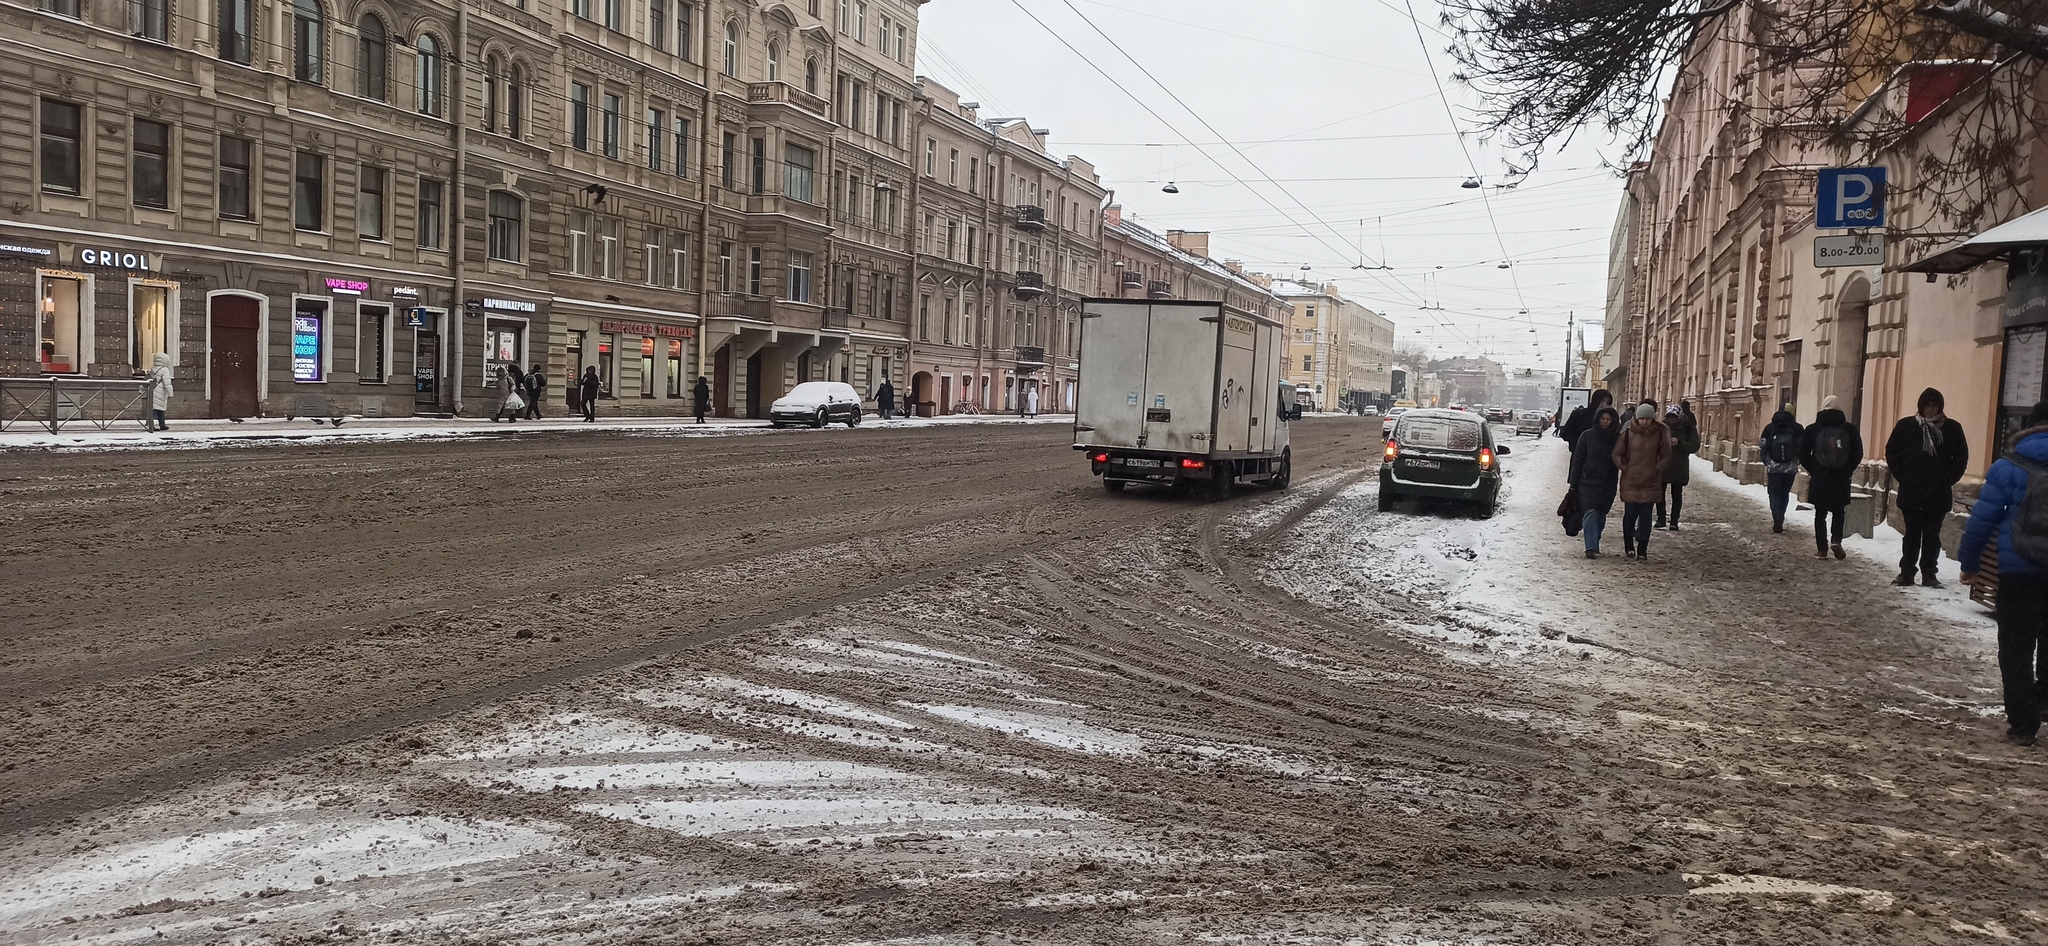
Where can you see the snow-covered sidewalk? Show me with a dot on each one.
(191, 434)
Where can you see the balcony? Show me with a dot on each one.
(1132, 280)
(743, 305)
(784, 94)
(1030, 285)
(1030, 356)
(1159, 289)
(788, 207)
(834, 319)
(1030, 219)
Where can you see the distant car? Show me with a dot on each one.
(1435, 454)
(817, 403)
(1370, 410)
(1533, 423)
(1387, 426)
(1499, 415)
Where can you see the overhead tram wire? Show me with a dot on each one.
(1056, 35)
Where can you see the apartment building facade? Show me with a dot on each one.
(372, 209)
(1140, 263)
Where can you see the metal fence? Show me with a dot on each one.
(53, 401)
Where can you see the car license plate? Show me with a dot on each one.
(1152, 464)
(1424, 464)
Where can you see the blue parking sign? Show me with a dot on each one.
(1849, 197)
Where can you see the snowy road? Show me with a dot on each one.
(937, 688)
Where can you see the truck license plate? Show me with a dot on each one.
(1152, 464)
(1425, 464)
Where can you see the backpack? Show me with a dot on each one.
(2030, 527)
(1831, 448)
(1781, 447)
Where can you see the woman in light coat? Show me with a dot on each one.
(158, 386)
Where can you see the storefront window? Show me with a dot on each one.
(309, 341)
(647, 367)
(149, 331)
(373, 344)
(675, 368)
(503, 346)
(606, 364)
(63, 329)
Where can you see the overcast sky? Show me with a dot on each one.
(1334, 100)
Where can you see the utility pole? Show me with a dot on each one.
(1565, 380)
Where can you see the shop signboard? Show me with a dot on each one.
(16, 249)
(405, 292)
(646, 328)
(2026, 288)
(347, 287)
(115, 259)
(305, 347)
(415, 317)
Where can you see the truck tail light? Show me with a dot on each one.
(1485, 458)
(1393, 450)
(1190, 464)
(1101, 458)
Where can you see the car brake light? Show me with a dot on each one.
(1485, 458)
(1393, 449)
(1102, 458)
(1192, 464)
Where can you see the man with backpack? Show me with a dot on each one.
(1583, 417)
(2013, 506)
(1927, 455)
(1832, 451)
(536, 388)
(1780, 447)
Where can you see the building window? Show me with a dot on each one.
(1306, 362)
(732, 49)
(580, 8)
(860, 22)
(579, 116)
(973, 174)
(308, 60)
(62, 7)
(754, 270)
(233, 31)
(373, 342)
(579, 243)
(931, 157)
(774, 61)
(899, 44)
(309, 192)
(729, 159)
(430, 214)
(657, 24)
(799, 277)
(682, 147)
(760, 178)
(233, 192)
(611, 125)
(953, 166)
(651, 263)
(799, 165)
(686, 31)
(657, 133)
(372, 50)
(507, 213)
(924, 318)
(725, 267)
(515, 102)
(149, 325)
(63, 126)
(152, 162)
(64, 346)
(609, 230)
(370, 203)
(148, 19)
(614, 15)
(427, 76)
(491, 94)
(647, 366)
(811, 76)
(845, 17)
(309, 341)
(679, 260)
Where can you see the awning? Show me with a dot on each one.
(2027, 230)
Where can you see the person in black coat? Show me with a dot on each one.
(885, 399)
(536, 388)
(1927, 455)
(587, 389)
(1594, 476)
(1831, 453)
(702, 392)
(1582, 417)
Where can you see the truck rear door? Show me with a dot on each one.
(1110, 407)
(1179, 396)
(1235, 382)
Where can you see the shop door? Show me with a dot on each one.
(754, 385)
(721, 381)
(233, 359)
(426, 369)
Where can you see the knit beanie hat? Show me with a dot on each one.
(1645, 412)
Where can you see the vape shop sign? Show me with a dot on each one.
(306, 346)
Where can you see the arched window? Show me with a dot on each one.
(515, 102)
(811, 76)
(774, 61)
(308, 29)
(371, 52)
(732, 49)
(427, 75)
(492, 68)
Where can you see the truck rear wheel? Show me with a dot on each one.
(1114, 486)
(1222, 477)
(1285, 474)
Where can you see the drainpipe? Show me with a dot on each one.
(706, 267)
(457, 312)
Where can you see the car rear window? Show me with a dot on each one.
(1444, 433)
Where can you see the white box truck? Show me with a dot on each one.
(1182, 394)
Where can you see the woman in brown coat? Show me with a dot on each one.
(1642, 454)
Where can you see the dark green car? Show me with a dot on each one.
(1439, 454)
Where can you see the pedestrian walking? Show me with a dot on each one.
(1642, 455)
(2012, 509)
(587, 389)
(1927, 455)
(1780, 445)
(1685, 441)
(158, 386)
(1582, 417)
(536, 388)
(702, 393)
(885, 399)
(1593, 476)
(1830, 453)
(1031, 401)
(510, 404)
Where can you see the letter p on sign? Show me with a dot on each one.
(1849, 197)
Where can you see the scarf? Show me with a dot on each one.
(1930, 432)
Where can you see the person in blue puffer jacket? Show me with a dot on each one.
(2022, 590)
